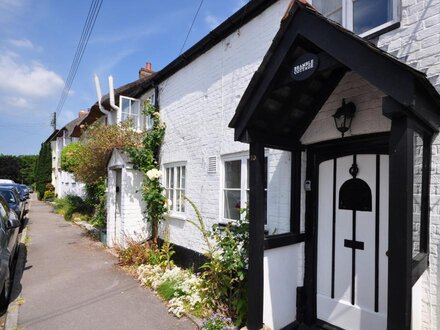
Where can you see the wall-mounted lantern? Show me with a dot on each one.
(344, 116)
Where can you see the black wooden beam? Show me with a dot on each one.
(256, 236)
(271, 140)
(400, 224)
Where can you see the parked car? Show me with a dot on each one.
(6, 181)
(13, 199)
(25, 189)
(22, 196)
(9, 225)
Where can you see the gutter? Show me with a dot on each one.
(99, 95)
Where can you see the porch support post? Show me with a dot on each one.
(256, 236)
(400, 217)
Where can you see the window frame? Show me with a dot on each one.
(147, 124)
(137, 125)
(244, 183)
(172, 212)
(347, 19)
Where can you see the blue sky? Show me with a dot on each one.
(38, 40)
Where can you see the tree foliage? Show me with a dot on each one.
(70, 156)
(43, 169)
(87, 160)
(18, 168)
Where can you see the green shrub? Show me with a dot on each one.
(72, 204)
(49, 195)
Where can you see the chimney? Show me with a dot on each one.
(146, 72)
(83, 113)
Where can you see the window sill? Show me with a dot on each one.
(178, 216)
(384, 28)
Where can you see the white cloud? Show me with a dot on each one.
(17, 102)
(22, 43)
(32, 80)
(212, 21)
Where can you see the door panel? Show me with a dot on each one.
(352, 265)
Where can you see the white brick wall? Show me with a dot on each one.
(197, 104)
(368, 118)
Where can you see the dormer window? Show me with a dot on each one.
(363, 17)
(130, 110)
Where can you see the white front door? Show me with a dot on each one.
(352, 266)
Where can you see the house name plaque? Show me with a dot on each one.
(304, 67)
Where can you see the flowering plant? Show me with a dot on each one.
(218, 322)
(154, 174)
(145, 158)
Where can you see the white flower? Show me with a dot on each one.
(154, 174)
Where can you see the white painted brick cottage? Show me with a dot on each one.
(344, 231)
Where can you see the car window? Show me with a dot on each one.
(3, 212)
(9, 196)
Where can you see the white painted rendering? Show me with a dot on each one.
(281, 278)
(125, 220)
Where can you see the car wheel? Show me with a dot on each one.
(4, 296)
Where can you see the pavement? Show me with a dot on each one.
(65, 280)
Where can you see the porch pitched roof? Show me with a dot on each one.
(278, 109)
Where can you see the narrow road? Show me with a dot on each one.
(70, 282)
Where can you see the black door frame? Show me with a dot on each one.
(316, 154)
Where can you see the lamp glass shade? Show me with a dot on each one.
(344, 116)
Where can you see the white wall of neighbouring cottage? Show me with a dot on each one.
(63, 182)
(131, 225)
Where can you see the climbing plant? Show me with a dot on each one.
(145, 158)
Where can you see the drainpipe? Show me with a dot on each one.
(111, 92)
(99, 95)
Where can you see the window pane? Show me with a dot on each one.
(124, 116)
(417, 190)
(233, 174)
(232, 204)
(135, 107)
(278, 195)
(183, 177)
(125, 107)
(331, 9)
(368, 14)
(178, 177)
(172, 178)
